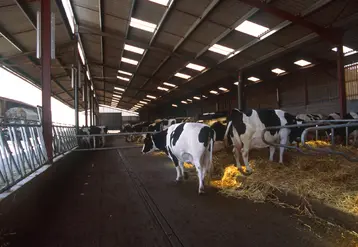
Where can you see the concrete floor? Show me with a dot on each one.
(111, 198)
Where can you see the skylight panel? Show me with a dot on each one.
(251, 28)
(278, 71)
(143, 25)
(181, 75)
(133, 49)
(147, 100)
(174, 105)
(119, 88)
(196, 97)
(69, 14)
(88, 74)
(346, 51)
(213, 92)
(236, 83)
(254, 79)
(302, 63)
(189, 100)
(130, 61)
(184, 102)
(195, 67)
(221, 49)
(223, 89)
(162, 2)
(117, 96)
(169, 84)
(163, 88)
(124, 72)
(123, 78)
(143, 102)
(151, 96)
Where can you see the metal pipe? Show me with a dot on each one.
(85, 100)
(76, 101)
(341, 81)
(46, 76)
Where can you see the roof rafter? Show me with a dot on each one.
(198, 21)
(331, 34)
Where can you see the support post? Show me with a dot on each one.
(46, 76)
(341, 81)
(91, 109)
(76, 99)
(85, 99)
(240, 92)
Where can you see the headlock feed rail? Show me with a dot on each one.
(91, 139)
(316, 126)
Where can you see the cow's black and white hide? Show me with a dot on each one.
(245, 131)
(340, 133)
(185, 142)
(308, 118)
(97, 141)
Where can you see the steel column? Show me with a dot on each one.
(85, 98)
(91, 108)
(240, 92)
(341, 80)
(46, 75)
(75, 86)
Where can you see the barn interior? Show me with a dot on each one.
(176, 59)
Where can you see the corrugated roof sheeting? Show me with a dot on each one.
(12, 12)
(171, 67)
(206, 32)
(191, 46)
(293, 6)
(235, 40)
(166, 40)
(288, 35)
(178, 23)
(86, 16)
(115, 24)
(148, 11)
(228, 12)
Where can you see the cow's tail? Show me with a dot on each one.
(209, 155)
(226, 136)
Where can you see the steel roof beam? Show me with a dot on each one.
(118, 85)
(331, 34)
(159, 26)
(192, 28)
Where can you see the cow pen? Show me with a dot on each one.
(133, 74)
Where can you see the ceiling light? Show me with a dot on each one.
(278, 71)
(120, 89)
(204, 96)
(181, 75)
(254, 79)
(139, 104)
(91, 87)
(189, 100)
(147, 100)
(174, 105)
(130, 61)
(122, 78)
(143, 25)
(162, 2)
(213, 92)
(346, 51)
(184, 102)
(124, 72)
(133, 49)
(117, 96)
(163, 88)
(251, 28)
(143, 102)
(114, 100)
(195, 67)
(82, 54)
(221, 49)
(302, 63)
(196, 97)
(169, 84)
(151, 97)
(236, 83)
(88, 75)
(223, 89)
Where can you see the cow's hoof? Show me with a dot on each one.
(201, 192)
(179, 181)
(186, 175)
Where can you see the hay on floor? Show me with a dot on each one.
(330, 179)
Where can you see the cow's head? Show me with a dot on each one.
(149, 145)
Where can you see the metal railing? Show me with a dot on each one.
(316, 127)
(22, 150)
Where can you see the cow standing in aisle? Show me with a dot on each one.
(185, 142)
(245, 131)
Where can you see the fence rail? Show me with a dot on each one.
(22, 150)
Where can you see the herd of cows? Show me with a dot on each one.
(192, 141)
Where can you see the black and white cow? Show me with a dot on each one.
(94, 130)
(245, 131)
(340, 133)
(308, 118)
(185, 142)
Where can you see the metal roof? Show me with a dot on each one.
(185, 30)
